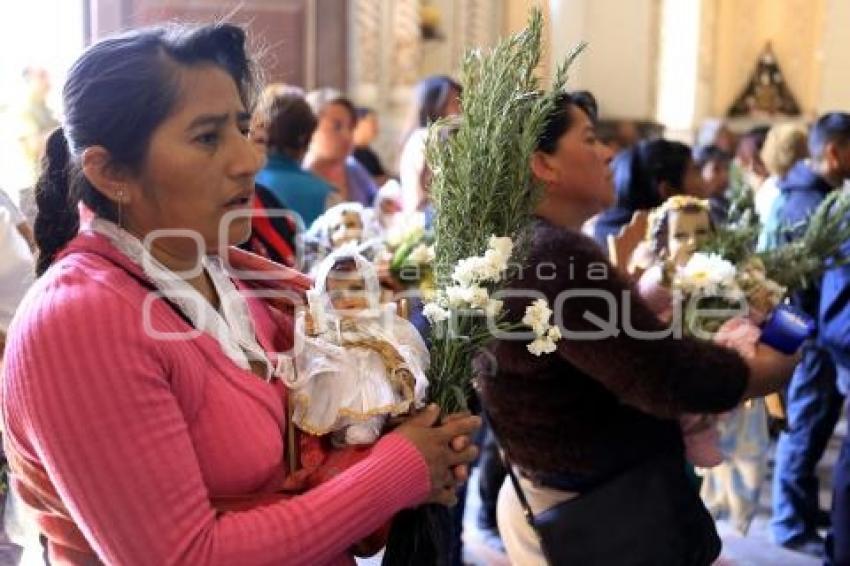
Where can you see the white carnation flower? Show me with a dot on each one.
(494, 307)
(708, 273)
(438, 297)
(554, 334)
(468, 297)
(477, 297)
(503, 246)
(495, 266)
(541, 346)
(435, 313)
(456, 296)
(422, 254)
(537, 316)
(467, 270)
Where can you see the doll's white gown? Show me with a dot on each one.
(349, 379)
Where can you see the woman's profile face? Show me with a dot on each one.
(579, 166)
(199, 169)
(334, 136)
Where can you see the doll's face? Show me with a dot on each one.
(347, 291)
(686, 232)
(349, 228)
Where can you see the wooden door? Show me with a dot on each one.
(300, 42)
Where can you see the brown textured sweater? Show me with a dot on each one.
(597, 406)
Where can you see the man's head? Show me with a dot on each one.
(829, 146)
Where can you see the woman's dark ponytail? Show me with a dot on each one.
(57, 220)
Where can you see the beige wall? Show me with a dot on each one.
(681, 80)
(833, 92)
(619, 65)
(743, 28)
(626, 52)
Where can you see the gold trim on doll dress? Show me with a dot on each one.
(400, 377)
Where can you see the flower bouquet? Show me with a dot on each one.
(711, 291)
(728, 272)
(469, 296)
(485, 199)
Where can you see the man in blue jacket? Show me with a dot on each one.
(814, 401)
(834, 326)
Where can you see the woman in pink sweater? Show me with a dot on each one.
(140, 398)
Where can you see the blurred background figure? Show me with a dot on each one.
(16, 271)
(814, 401)
(29, 120)
(329, 154)
(286, 123)
(365, 133)
(713, 164)
(748, 156)
(784, 146)
(35, 122)
(619, 134)
(37, 119)
(644, 177)
(716, 132)
(284, 192)
(435, 97)
(17, 218)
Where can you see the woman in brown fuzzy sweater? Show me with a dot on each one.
(606, 401)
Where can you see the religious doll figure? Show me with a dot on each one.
(341, 224)
(732, 449)
(355, 362)
(348, 223)
(388, 208)
(677, 230)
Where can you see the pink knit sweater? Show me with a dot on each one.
(121, 440)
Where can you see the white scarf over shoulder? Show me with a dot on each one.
(231, 326)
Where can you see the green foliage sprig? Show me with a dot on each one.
(482, 183)
(798, 263)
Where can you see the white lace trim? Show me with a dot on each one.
(232, 326)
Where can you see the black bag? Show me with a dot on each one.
(650, 515)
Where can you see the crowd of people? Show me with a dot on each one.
(129, 449)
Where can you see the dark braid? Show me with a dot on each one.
(57, 220)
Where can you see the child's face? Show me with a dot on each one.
(347, 291)
(686, 232)
(348, 229)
